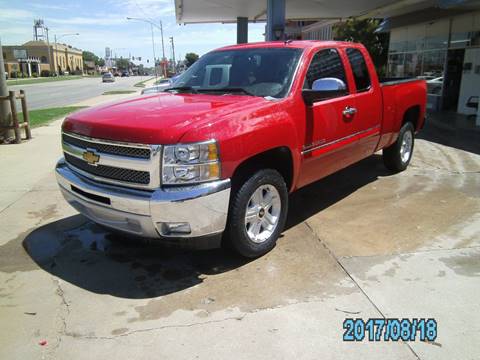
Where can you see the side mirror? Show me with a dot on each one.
(325, 88)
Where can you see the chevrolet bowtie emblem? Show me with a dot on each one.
(90, 157)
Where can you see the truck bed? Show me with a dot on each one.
(387, 81)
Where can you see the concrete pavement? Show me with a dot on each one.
(65, 93)
(361, 243)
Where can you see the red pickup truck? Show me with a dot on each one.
(213, 158)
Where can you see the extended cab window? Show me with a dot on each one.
(325, 64)
(359, 68)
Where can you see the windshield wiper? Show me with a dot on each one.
(228, 90)
(182, 89)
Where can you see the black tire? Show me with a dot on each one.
(236, 232)
(392, 155)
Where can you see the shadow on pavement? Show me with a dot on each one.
(320, 195)
(102, 262)
(90, 257)
(453, 130)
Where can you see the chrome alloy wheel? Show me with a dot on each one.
(262, 213)
(406, 147)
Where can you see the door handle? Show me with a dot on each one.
(349, 111)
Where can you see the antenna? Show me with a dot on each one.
(39, 30)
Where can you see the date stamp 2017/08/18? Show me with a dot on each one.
(390, 329)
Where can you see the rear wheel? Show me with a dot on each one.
(258, 213)
(398, 155)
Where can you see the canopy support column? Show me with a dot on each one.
(242, 30)
(275, 20)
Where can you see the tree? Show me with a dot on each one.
(90, 56)
(190, 59)
(363, 31)
(122, 63)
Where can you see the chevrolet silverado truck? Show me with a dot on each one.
(212, 160)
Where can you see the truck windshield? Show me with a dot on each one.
(257, 72)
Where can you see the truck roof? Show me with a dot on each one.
(300, 44)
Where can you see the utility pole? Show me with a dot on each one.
(163, 51)
(173, 55)
(152, 24)
(5, 114)
(153, 47)
(56, 55)
(49, 55)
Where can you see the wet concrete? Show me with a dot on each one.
(361, 243)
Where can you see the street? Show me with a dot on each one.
(362, 243)
(68, 92)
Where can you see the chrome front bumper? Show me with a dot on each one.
(150, 214)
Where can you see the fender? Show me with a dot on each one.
(238, 134)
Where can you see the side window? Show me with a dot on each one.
(359, 68)
(325, 63)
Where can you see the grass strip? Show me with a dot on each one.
(42, 117)
(116, 92)
(42, 80)
(142, 83)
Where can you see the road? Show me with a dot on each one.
(68, 92)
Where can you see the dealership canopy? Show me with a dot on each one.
(209, 11)
(276, 12)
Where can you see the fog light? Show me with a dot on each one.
(177, 228)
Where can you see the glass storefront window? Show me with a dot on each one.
(413, 64)
(462, 28)
(415, 37)
(434, 63)
(395, 65)
(433, 71)
(436, 34)
(398, 40)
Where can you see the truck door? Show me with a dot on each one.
(368, 99)
(330, 123)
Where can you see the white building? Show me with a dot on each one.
(444, 48)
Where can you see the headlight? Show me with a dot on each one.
(190, 163)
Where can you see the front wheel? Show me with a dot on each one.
(258, 213)
(397, 156)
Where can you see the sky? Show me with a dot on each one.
(103, 23)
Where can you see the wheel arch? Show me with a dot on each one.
(412, 114)
(278, 158)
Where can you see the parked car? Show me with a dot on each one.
(214, 158)
(161, 85)
(435, 85)
(125, 74)
(108, 77)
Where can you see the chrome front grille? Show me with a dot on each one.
(109, 172)
(132, 165)
(136, 152)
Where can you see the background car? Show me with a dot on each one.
(108, 77)
(160, 86)
(125, 74)
(435, 85)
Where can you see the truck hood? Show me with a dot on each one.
(156, 119)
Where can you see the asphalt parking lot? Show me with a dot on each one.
(362, 243)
